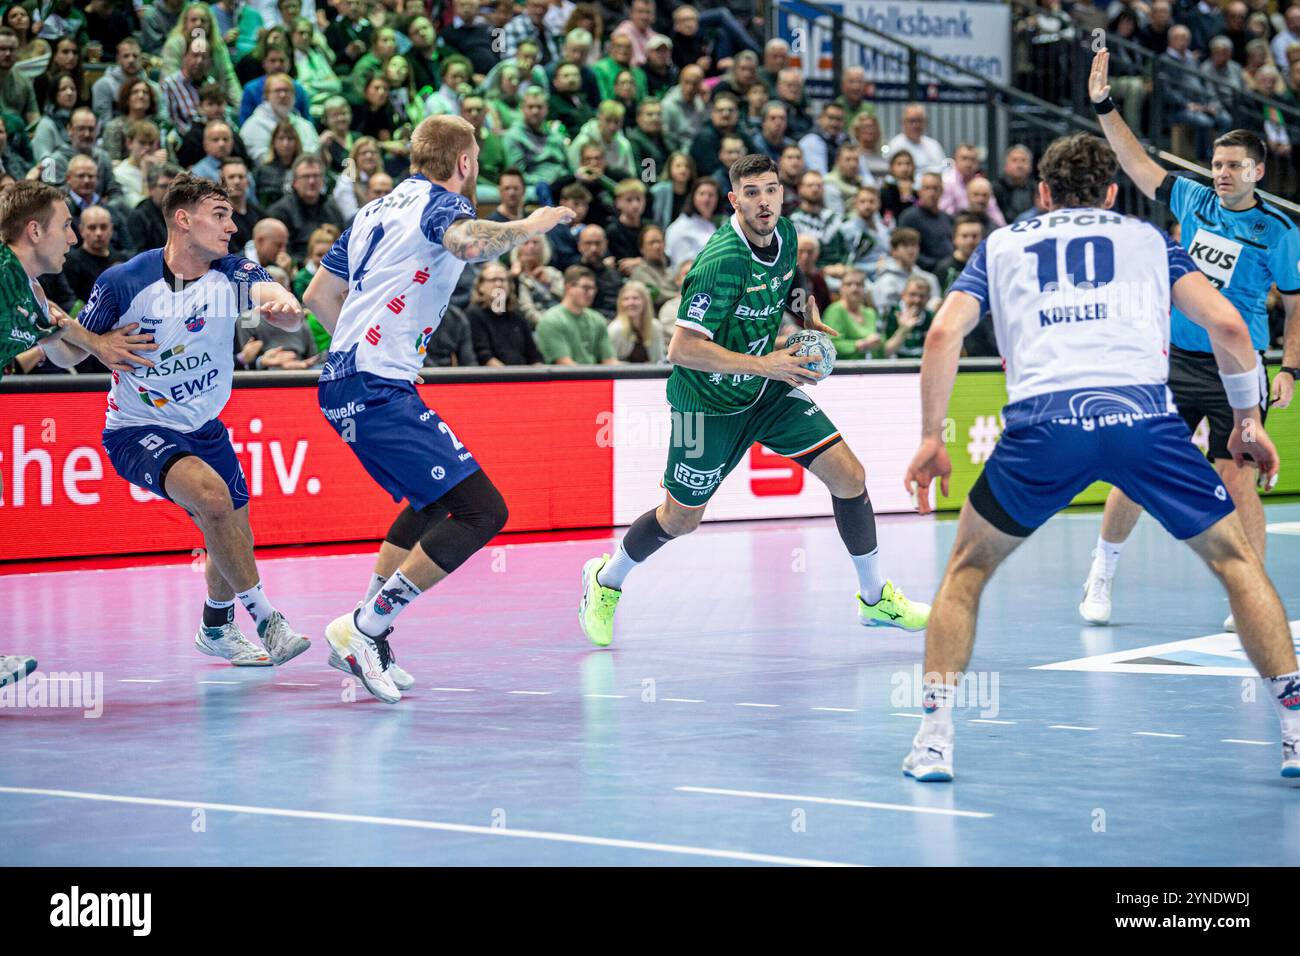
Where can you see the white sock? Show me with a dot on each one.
(1105, 557)
(378, 615)
(256, 603)
(1285, 691)
(937, 701)
(616, 569)
(376, 582)
(870, 581)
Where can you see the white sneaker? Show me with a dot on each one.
(13, 669)
(282, 642)
(401, 678)
(1291, 758)
(1095, 607)
(229, 643)
(1230, 625)
(930, 760)
(368, 658)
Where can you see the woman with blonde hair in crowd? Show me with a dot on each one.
(350, 188)
(319, 243)
(855, 318)
(197, 17)
(501, 333)
(866, 133)
(635, 332)
(540, 285)
(338, 138)
(587, 16)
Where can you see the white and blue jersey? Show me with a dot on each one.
(400, 280)
(194, 328)
(1080, 301)
(1242, 253)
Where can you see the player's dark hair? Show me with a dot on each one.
(25, 201)
(187, 191)
(1253, 145)
(1078, 169)
(755, 164)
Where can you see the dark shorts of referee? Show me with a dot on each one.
(1198, 392)
(1036, 470)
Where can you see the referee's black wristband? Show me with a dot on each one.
(1292, 371)
(1104, 107)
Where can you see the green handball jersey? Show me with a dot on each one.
(23, 319)
(737, 300)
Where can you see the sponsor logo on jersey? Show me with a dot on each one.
(746, 312)
(775, 283)
(699, 305)
(397, 304)
(420, 277)
(196, 321)
(171, 361)
(1216, 256)
(422, 340)
(151, 442)
(149, 398)
(698, 481)
(373, 335)
(438, 472)
(344, 411)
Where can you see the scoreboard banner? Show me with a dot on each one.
(567, 453)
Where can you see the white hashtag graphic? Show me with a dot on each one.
(983, 438)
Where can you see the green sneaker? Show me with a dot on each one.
(596, 612)
(893, 610)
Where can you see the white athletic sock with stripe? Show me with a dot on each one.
(256, 603)
(376, 582)
(616, 569)
(1105, 557)
(378, 615)
(1285, 691)
(937, 703)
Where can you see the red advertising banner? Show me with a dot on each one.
(60, 496)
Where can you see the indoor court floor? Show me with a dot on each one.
(742, 716)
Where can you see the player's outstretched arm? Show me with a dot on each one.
(324, 297)
(695, 350)
(1145, 172)
(477, 240)
(277, 305)
(959, 314)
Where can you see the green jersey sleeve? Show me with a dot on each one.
(23, 322)
(710, 294)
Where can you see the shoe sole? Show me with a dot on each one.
(1291, 772)
(297, 649)
(1099, 622)
(582, 608)
(931, 775)
(233, 663)
(872, 622)
(355, 669)
(14, 677)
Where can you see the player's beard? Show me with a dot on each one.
(470, 188)
(757, 227)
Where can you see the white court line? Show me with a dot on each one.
(681, 700)
(531, 693)
(1255, 743)
(139, 680)
(836, 801)
(743, 704)
(607, 696)
(219, 682)
(286, 683)
(986, 720)
(455, 690)
(917, 716)
(1151, 733)
(547, 835)
(59, 680)
(1068, 727)
(837, 710)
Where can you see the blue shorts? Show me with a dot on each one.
(404, 445)
(1036, 470)
(142, 454)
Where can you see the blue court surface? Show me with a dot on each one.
(741, 717)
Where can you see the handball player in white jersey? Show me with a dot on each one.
(1080, 299)
(162, 430)
(382, 291)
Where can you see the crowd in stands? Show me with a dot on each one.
(629, 112)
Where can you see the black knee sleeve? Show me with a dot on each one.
(411, 525)
(645, 537)
(478, 512)
(807, 458)
(856, 520)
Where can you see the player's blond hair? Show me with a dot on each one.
(438, 144)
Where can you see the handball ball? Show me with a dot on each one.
(816, 345)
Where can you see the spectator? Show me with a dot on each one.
(306, 206)
(1235, 30)
(276, 109)
(529, 25)
(181, 90)
(660, 72)
(956, 183)
(1190, 100)
(638, 28)
(452, 344)
(567, 104)
(808, 257)
(842, 185)
(423, 54)
(1015, 190)
(812, 218)
(789, 90)
(86, 262)
(135, 103)
(267, 59)
(500, 332)
(510, 207)
(626, 96)
(573, 333)
(872, 164)
(647, 139)
(471, 37)
(776, 57)
(733, 149)
(742, 77)
(540, 286)
(685, 110)
(105, 94)
(1221, 65)
(142, 152)
(853, 97)
(271, 175)
(899, 193)
(723, 119)
(690, 47)
(157, 21)
(689, 232)
(854, 318)
(821, 144)
(624, 231)
(246, 213)
(863, 238)
(17, 95)
(591, 174)
(33, 52)
(772, 140)
(979, 203)
(1155, 35)
(933, 224)
(270, 245)
(926, 151)
(349, 34)
(197, 18)
(618, 59)
(11, 162)
(491, 148)
(564, 239)
(653, 270)
(534, 148)
(262, 346)
(218, 144)
(1257, 55)
(52, 131)
(668, 195)
(83, 130)
(967, 233)
(383, 47)
(900, 265)
(907, 322)
(145, 226)
(635, 332)
(789, 170)
(338, 138)
(1128, 84)
(239, 24)
(593, 247)
(1286, 37)
(606, 131)
(375, 116)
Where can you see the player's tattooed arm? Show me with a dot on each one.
(477, 240)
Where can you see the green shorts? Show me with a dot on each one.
(705, 448)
